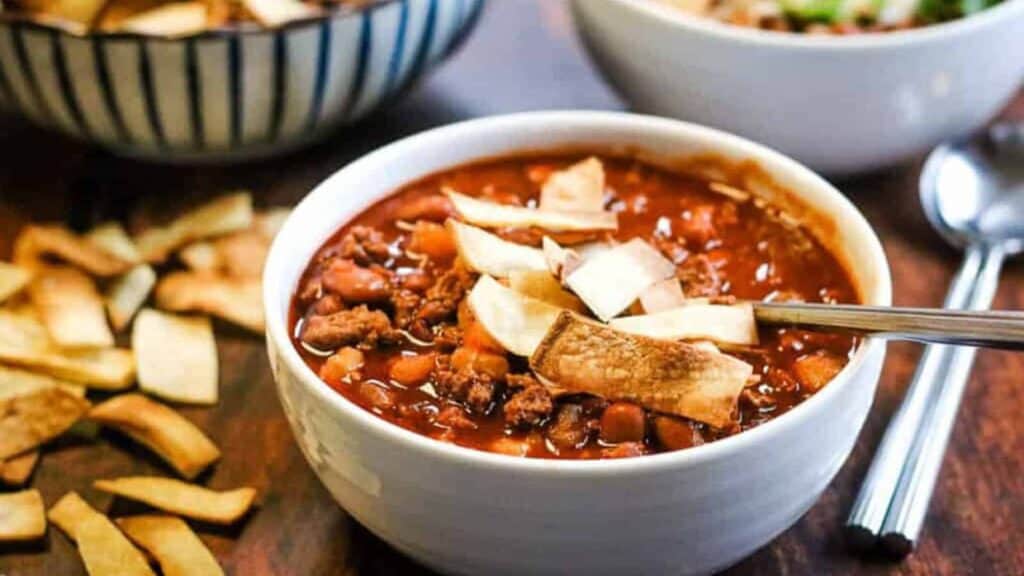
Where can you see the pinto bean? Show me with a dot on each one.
(623, 422)
(675, 434)
(341, 364)
(432, 239)
(477, 337)
(493, 365)
(354, 283)
(376, 396)
(412, 371)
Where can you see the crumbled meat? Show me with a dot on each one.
(358, 326)
(455, 418)
(474, 389)
(530, 406)
(328, 304)
(781, 381)
(516, 381)
(699, 277)
(757, 398)
(568, 429)
(444, 296)
(448, 338)
(405, 304)
(311, 290)
(624, 450)
(365, 245)
(376, 396)
(670, 249)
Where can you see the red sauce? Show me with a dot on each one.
(721, 246)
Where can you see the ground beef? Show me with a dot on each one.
(356, 327)
(468, 386)
(453, 417)
(443, 297)
(530, 406)
(405, 304)
(365, 245)
(311, 290)
(448, 338)
(699, 277)
(569, 428)
(328, 304)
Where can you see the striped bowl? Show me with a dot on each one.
(228, 94)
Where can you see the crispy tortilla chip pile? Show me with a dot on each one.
(65, 302)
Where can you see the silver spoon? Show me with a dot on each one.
(973, 194)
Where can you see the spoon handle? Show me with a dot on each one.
(967, 328)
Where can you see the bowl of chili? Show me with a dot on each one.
(478, 445)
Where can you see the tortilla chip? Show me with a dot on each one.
(174, 545)
(176, 357)
(37, 241)
(490, 214)
(242, 254)
(16, 382)
(111, 236)
(274, 13)
(33, 419)
(610, 281)
(104, 549)
(722, 324)
(25, 342)
(270, 221)
(541, 285)
(22, 516)
(517, 322)
(200, 257)
(579, 188)
(70, 307)
(488, 254)
(181, 498)
(579, 355)
(16, 470)
(236, 300)
(13, 279)
(161, 429)
(169, 20)
(79, 14)
(221, 216)
(128, 293)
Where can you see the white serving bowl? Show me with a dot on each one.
(235, 93)
(463, 511)
(841, 105)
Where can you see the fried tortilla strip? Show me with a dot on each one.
(240, 254)
(37, 241)
(104, 549)
(201, 257)
(25, 342)
(490, 214)
(128, 293)
(541, 285)
(239, 301)
(221, 216)
(170, 20)
(111, 236)
(15, 471)
(579, 188)
(22, 516)
(664, 295)
(516, 321)
(28, 421)
(16, 382)
(488, 254)
(270, 221)
(179, 442)
(579, 355)
(181, 498)
(70, 307)
(274, 13)
(610, 281)
(176, 357)
(174, 545)
(77, 15)
(722, 324)
(13, 279)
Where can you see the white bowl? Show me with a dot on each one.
(841, 105)
(227, 94)
(463, 511)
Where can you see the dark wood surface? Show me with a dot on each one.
(523, 56)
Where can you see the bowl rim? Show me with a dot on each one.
(275, 285)
(713, 29)
(249, 29)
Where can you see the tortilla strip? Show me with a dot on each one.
(270, 221)
(25, 342)
(13, 279)
(274, 13)
(174, 545)
(22, 516)
(16, 382)
(663, 295)
(241, 254)
(36, 241)
(82, 13)
(721, 324)
(488, 254)
(490, 214)
(15, 471)
(579, 188)
(541, 285)
(169, 20)
(34, 419)
(71, 308)
(128, 293)
(179, 442)
(201, 257)
(580, 355)
(111, 236)
(176, 357)
(104, 549)
(181, 498)
(223, 215)
(517, 322)
(610, 281)
(235, 300)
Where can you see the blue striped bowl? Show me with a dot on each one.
(227, 94)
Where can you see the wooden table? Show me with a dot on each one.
(523, 56)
